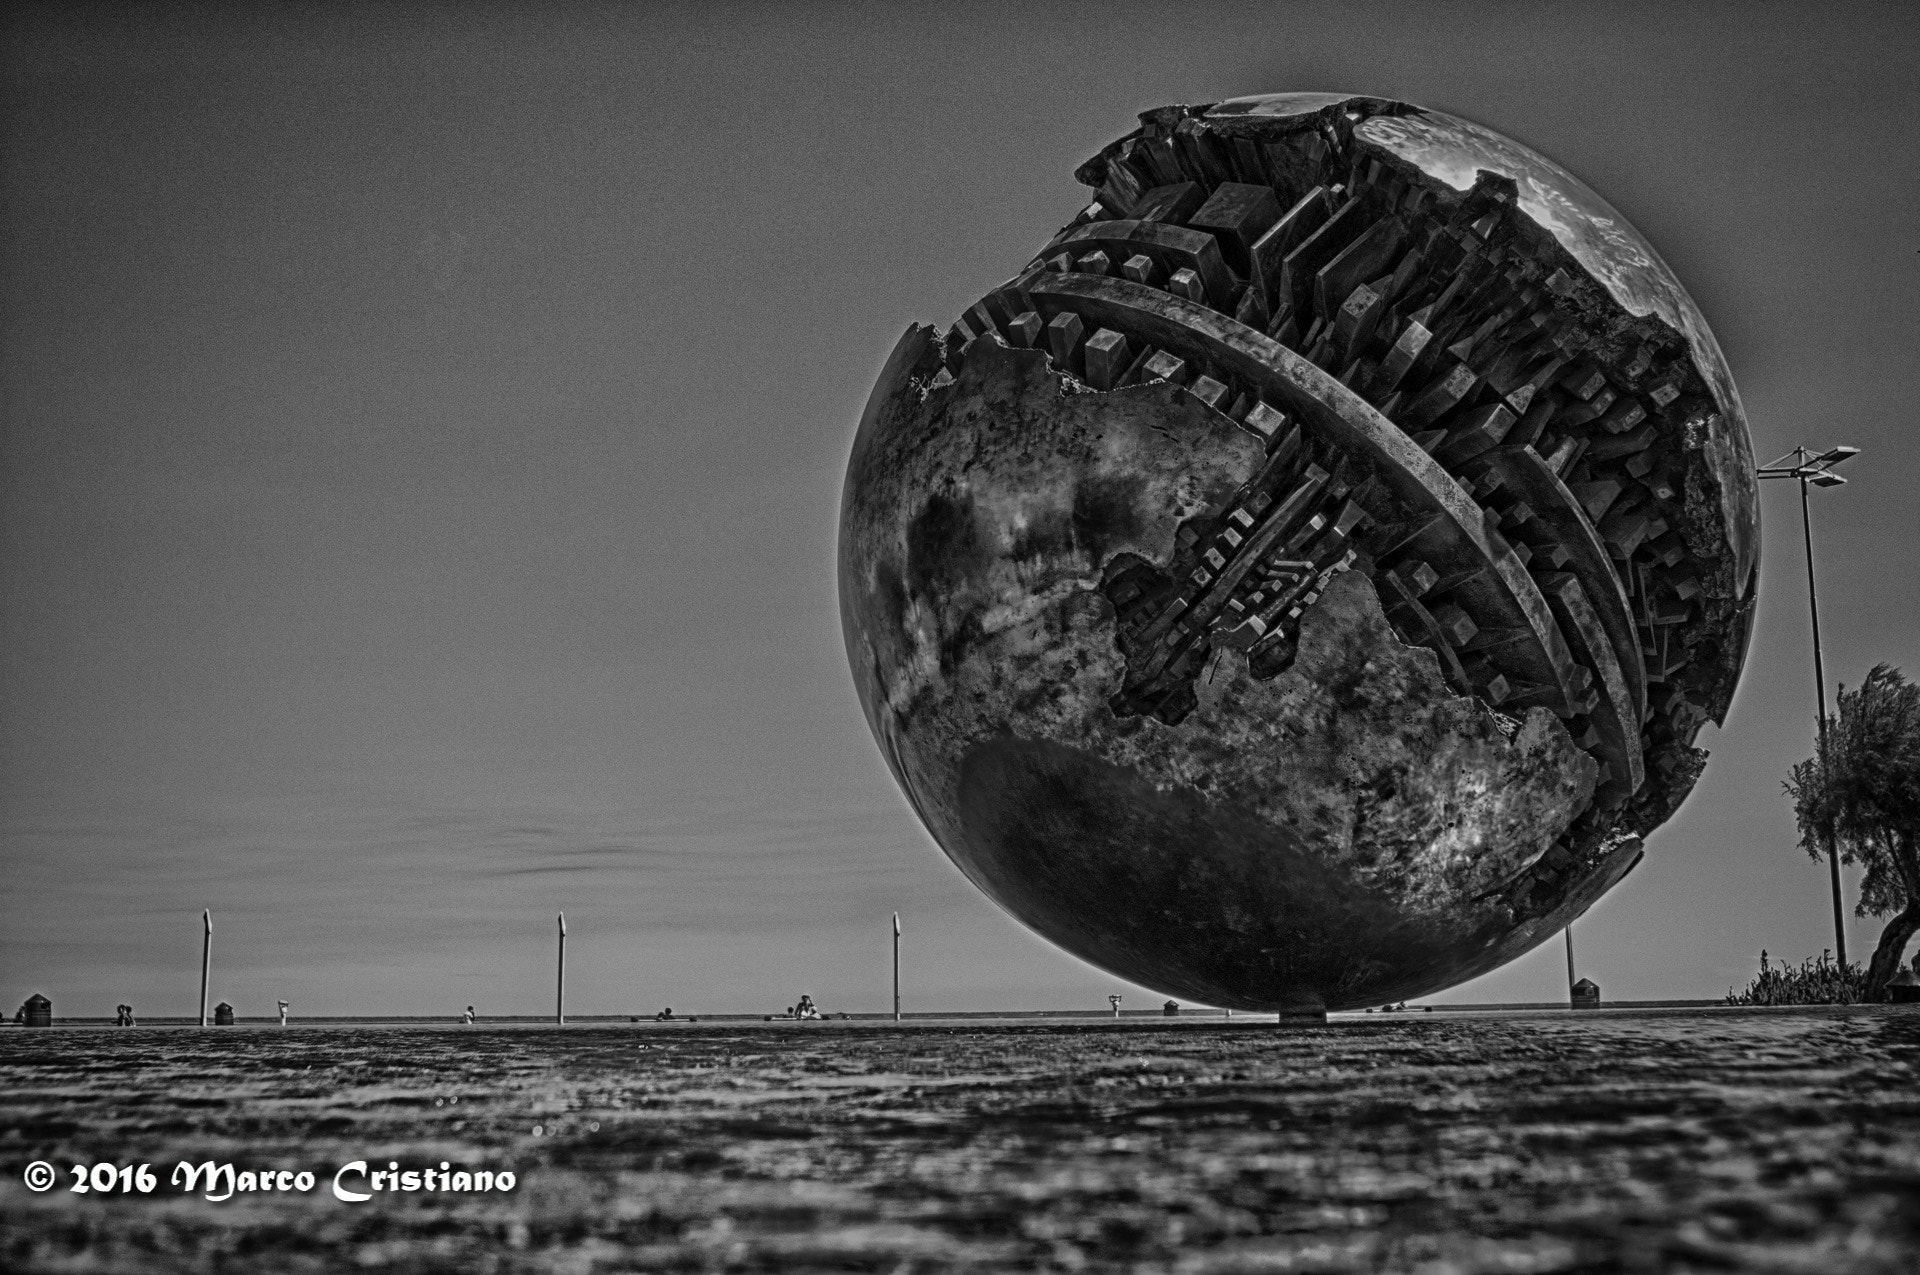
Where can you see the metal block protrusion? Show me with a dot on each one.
(1625, 413)
(1371, 254)
(1491, 684)
(1456, 624)
(1583, 381)
(1407, 347)
(1668, 387)
(1637, 365)
(1270, 250)
(1106, 358)
(1437, 398)
(1265, 421)
(1596, 497)
(1186, 283)
(1521, 397)
(1172, 203)
(1417, 576)
(1064, 337)
(1024, 330)
(1165, 367)
(1624, 532)
(1237, 214)
(1616, 445)
(1303, 263)
(1591, 410)
(1141, 269)
(1210, 392)
(1354, 322)
(1482, 431)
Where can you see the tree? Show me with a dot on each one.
(1865, 795)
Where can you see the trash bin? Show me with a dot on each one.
(1170, 1009)
(1586, 994)
(223, 1015)
(1904, 989)
(39, 1011)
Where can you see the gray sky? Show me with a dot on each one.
(423, 430)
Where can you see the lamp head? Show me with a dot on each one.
(1826, 480)
(1835, 455)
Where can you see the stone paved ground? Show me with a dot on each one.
(1719, 1140)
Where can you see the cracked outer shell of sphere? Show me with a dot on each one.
(1289, 597)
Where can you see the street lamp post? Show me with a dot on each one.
(1813, 468)
(560, 982)
(206, 961)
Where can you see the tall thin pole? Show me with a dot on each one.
(560, 986)
(206, 961)
(896, 967)
(1820, 694)
(1570, 960)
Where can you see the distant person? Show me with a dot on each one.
(122, 1015)
(283, 1013)
(664, 1016)
(805, 1009)
(467, 1018)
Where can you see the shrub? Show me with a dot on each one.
(1817, 982)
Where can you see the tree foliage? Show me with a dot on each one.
(1864, 793)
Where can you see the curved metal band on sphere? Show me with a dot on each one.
(1300, 587)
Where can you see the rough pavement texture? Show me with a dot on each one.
(1779, 1141)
